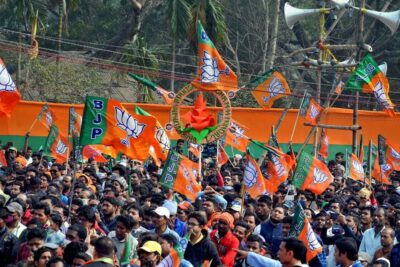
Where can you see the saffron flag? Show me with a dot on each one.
(311, 174)
(194, 149)
(75, 122)
(160, 143)
(3, 161)
(302, 229)
(393, 156)
(235, 136)
(369, 78)
(46, 116)
(277, 169)
(382, 169)
(212, 73)
(57, 145)
(107, 150)
(9, 95)
(339, 87)
(222, 156)
(269, 87)
(254, 182)
(166, 95)
(93, 153)
(180, 174)
(107, 122)
(310, 110)
(355, 168)
(324, 145)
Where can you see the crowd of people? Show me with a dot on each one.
(84, 215)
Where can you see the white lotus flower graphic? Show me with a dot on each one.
(313, 243)
(319, 176)
(238, 131)
(128, 124)
(380, 95)
(61, 148)
(6, 83)
(358, 166)
(250, 175)
(280, 170)
(395, 154)
(162, 138)
(385, 167)
(210, 72)
(314, 112)
(274, 88)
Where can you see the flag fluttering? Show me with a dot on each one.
(57, 145)
(301, 228)
(324, 145)
(355, 168)
(382, 168)
(270, 87)
(93, 153)
(254, 182)
(236, 136)
(46, 116)
(311, 174)
(212, 73)
(180, 174)
(75, 122)
(310, 110)
(107, 122)
(9, 95)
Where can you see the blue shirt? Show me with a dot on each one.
(370, 242)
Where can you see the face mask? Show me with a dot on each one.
(9, 219)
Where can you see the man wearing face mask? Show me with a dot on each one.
(150, 254)
(14, 219)
(8, 241)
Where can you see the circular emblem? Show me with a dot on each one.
(215, 134)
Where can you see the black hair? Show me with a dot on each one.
(249, 213)
(104, 247)
(55, 260)
(80, 230)
(44, 207)
(36, 233)
(298, 248)
(112, 200)
(126, 220)
(349, 246)
(39, 252)
(287, 219)
(199, 217)
(265, 199)
(170, 238)
(255, 238)
(243, 224)
(83, 256)
(135, 206)
(72, 250)
(88, 213)
(56, 218)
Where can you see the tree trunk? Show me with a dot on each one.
(172, 86)
(266, 36)
(274, 35)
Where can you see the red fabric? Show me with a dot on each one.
(220, 179)
(27, 216)
(226, 247)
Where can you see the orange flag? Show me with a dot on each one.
(57, 145)
(355, 168)
(393, 156)
(310, 110)
(311, 174)
(9, 95)
(107, 122)
(278, 168)
(92, 152)
(213, 73)
(236, 136)
(180, 174)
(193, 148)
(108, 150)
(222, 156)
(324, 145)
(46, 116)
(254, 182)
(381, 173)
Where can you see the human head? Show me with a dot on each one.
(254, 243)
(263, 210)
(103, 248)
(56, 262)
(387, 237)
(380, 216)
(345, 250)
(167, 242)
(35, 238)
(251, 219)
(292, 249)
(366, 215)
(80, 259)
(76, 233)
(161, 216)
(41, 211)
(241, 230)
(225, 223)
(124, 226)
(286, 225)
(41, 256)
(196, 222)
(278, 214)
(150, 253)
(110, 206)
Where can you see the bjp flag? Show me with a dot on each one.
(107, 150)
(107, 122)
(355, 168)
(235, 136)
(46, 116)
(310, 110)
(213, 73)
(311, 174)
(222, 156)
(393, 156)
(254, 182)
(57, 145)
(278, 168)
(180, 174)
(93, 153)
(324, 145)
(9, 95)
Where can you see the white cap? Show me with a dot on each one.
(162, 211)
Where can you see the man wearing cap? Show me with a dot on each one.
(150, 254)
(224, 239)
(161, 216)
(120, 184)
(14, 219)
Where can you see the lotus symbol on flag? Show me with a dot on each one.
(210, 72)
(6, 83)
(236, 130)
(162, 138)
(250, 175)
(274, 88)
(314, 112)
(395, 154)
(128, 124)
(319, 176)
(312, 239)
(380, 95)
(385, 167)
(358, 166)
(61, 148)
(280, 170)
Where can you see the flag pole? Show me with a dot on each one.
(67, 161)
(297, 117)
(226, 154)
(200, 156)
(369, 161)
(32, 125)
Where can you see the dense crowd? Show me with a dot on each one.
(57, 215)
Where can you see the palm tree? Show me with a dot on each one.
(179, 16)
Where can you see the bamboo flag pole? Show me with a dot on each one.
(297, 116)
(370, 161)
